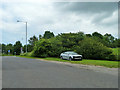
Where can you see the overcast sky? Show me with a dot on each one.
(58, 17)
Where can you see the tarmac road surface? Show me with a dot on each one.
(31, 73)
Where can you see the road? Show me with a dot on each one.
(31, 73)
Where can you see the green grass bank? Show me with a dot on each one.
(110, 64)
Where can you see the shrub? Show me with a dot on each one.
(89, 47)
(48, 48)
(113, 57)
(23, 54)
(30, 54)
(92, 49)
(41, 48)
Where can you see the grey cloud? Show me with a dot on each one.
(61, 17)
(100, 17)
(100, 10)
(90, 7)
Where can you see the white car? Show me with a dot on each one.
(70, 55)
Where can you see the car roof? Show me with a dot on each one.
(70, 51)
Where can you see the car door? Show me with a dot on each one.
(65, 55)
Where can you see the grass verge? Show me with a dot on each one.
(7, 55)
(110, 64)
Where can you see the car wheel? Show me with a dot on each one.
(70, 58)
(81, 59)
(61, 57)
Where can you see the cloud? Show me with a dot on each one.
(87, 7)
(96, 11)
(58, 17)
(113, 19)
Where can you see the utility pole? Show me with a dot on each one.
(26, 37)
(26, 32)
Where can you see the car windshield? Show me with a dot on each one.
(73, 53)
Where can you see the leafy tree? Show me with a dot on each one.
(70, 39)
(32, 40)
(118, 42)
(42, 47)
(31, 44)
(92, 49)
(3, 48)
(0, 49)
(110, 40)
(40, 36)
(96, 34)
(115, 43)
(56, 47)
(88, 35)
(29, 48)
(48, 35)
(9, 47)
(48, 48)
(17, 47)
(93, 46)
(109, 37)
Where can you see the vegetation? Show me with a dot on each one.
(91, 46)
(48, 35)
(17, 48)
(115, 51)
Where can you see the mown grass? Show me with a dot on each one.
(110, 64)
(7, 55)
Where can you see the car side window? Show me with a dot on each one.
(66, 53)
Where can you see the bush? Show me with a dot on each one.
(23, 54)
(41, 48)
(92, 49)
(56, 48)
(48, 48)
(113, 57)
(30, 54)
(89, 47)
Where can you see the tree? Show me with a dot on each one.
(0, 49)
(48, 48)
(88, 35)
(32, 40)
(109, 37)
(3, 48)
(118, 43)
(40, 36)
(29, 48)
(17, 47)
(110, 40)
(56, 47)
(92, 49)
(48, 35)
(70, 39)
(41, 48)
(31, 44)
(96, 34)
(9, 47)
